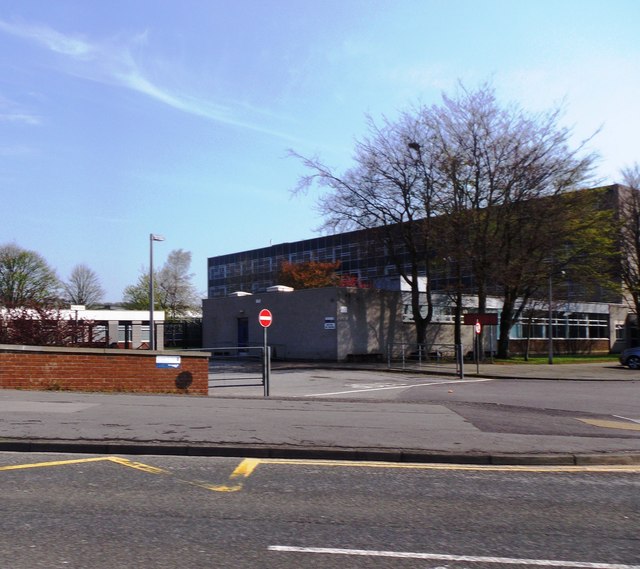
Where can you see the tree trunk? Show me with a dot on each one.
(505, 328)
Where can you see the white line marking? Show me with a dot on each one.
(464, 558)
(627, 419)
(404, 386)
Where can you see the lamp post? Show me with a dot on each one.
(550, 317)
(152, 335)
(550, 340)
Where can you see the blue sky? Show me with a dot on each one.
(121, 118)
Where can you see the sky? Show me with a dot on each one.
(123, 118)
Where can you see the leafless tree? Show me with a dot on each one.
(388, 188)
(83, 286)
(630, 237)
(465, 181)
(497, 164)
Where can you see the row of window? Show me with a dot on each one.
(98, 333)
(587, 326)
(352, 256)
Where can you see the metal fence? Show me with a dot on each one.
(239, 366)
(419, 356)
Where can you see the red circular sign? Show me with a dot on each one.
(265, 318)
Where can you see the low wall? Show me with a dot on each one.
(561, 346)
(109, 370)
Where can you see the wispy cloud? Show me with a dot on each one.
(11, 112)
(16, 150)
(51, 39)
(20, 118)
(112, 62)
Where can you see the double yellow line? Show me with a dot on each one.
(247, 466)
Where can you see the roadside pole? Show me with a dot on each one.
(478, 330)
(459, 360)
(265, 318)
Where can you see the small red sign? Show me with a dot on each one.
(478, 327)
(265, 318)
(490, 319)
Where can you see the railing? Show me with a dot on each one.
(407, 356)
(239, 366)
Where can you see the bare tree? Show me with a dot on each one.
(83, 286)
(388, 189)
(461, 181)
(496, 164)
(630, 237)
(26, 279)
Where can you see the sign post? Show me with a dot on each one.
(479, 320)
(477, 327)
(265, 318)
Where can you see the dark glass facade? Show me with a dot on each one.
(361, 254)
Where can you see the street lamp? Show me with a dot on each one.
(550, 339)
(152, 336)
(550, 317)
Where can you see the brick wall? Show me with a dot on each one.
(110, 370)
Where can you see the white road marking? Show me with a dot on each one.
(43, 407)
(451, 558)
(403, 386)
(627, 419)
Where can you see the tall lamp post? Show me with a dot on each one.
(550, 317)
(152, 335)
(550, 339)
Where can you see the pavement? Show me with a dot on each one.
(244, 424)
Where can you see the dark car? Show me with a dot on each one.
(631, 358)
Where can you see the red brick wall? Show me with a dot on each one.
(111, 370)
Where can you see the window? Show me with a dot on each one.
(124, 332)
(564, 325)
(218, 272)
(215, 291)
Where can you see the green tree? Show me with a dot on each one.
(26, 279)
(178, 295)
(174, 291)
(136, 296)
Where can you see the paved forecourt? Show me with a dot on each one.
(448, 420)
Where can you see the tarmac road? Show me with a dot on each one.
(202, 513)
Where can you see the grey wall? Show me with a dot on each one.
(326, 324)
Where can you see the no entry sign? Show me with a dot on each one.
(265, 318)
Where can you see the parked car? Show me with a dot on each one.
(631, 358)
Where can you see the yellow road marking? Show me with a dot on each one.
(248, 466)
(242, 472)
(54, 463)
(462, 467)
(137, 465)
(612, 424)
